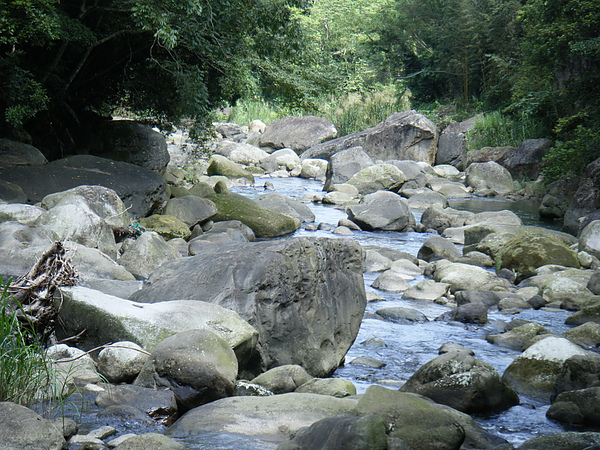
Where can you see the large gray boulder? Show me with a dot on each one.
(110, 319)
(403, 135)
(219, 165)
(378, 177)
(305, 296)
(344, 164)
(76, 221)
(146, 253)
(459, 380)
(121, 361)
(439, 218)
(464, 277)
(382, 210)
(578, 407)
(526, 161)
(452, 149)
(197, 365)
(584, 202)
(283, 379)
(297, 133)
(272, 417)
(489, 176)
(21, 428)
(135, 143)
(190, 209)
(578, 372)
(286, 205)
(525, 252)
(14, 153)
(415, 172)
(589, 240)
(142, 190)
(103, 201)
(558, 197)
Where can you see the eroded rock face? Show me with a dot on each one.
(404, 135)
(305, 296)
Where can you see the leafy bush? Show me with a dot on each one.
(580, 146)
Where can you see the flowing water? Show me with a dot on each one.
(407, 346)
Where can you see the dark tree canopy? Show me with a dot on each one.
(166, 58)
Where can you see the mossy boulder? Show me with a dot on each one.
(282, 379)
(578, 407)
(264, 222)
(219, 165)
(569, 440)
(422, 423)
(586, 335)
(459, 380)
(536, 370)
(169, 227)
(587, 314)
(337, 387)
(525, 253)
(519, 338)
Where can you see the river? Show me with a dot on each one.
(407, 346)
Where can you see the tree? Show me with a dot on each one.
(60, 59)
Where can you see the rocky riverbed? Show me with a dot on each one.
(249, 308)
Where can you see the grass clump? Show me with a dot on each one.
(498, 130)
(26, 375)
(246, 110)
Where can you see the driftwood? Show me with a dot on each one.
(32, 295)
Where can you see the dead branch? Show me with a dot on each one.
(32, 295)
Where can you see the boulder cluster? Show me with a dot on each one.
(189, 312)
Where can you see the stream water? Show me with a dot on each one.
(407, 346)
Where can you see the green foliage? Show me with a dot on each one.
(581, 147)
(25, 373)
(497, 130)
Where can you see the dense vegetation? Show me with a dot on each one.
(532, 65)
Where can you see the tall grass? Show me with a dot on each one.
(247, 110)
(349, 112)
(25, 373)
(358, 111)
(497, 130)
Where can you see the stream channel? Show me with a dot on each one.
(408, 347)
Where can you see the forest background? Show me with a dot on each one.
(532, 67)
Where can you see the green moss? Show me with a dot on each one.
(264, 222)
